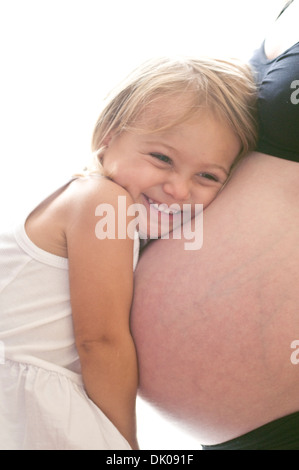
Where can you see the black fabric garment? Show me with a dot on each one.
(278, 103)
(281, 434)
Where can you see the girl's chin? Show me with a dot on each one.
(154, 223)
(158, 229)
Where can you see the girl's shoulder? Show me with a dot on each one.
(85, 194)
(90, 189)
(71, 210)
(88, 196)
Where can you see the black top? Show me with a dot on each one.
(281, 434)
(278, 103)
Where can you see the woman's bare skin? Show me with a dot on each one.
(213, 327)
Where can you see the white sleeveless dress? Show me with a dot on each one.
(43, 403)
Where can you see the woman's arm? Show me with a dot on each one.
(101, 285)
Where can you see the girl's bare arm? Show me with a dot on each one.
(101, 285)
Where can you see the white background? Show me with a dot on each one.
(58, 60)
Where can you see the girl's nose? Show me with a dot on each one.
(178, 187)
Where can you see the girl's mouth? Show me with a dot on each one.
(173, 209)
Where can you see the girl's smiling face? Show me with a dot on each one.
(184, 164)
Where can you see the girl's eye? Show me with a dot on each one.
(161, 157)
(209, 176)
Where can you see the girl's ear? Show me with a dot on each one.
(105, 144)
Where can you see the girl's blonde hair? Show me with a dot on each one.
(225, 87)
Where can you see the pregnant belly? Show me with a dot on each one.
(214, 327)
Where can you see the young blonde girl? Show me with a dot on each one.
(170, 135)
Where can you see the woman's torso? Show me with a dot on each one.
(214, 341)
(214, 327)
